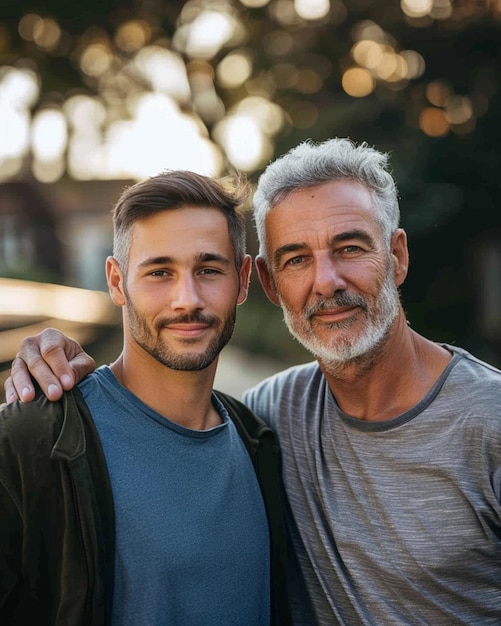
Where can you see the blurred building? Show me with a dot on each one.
(61, 234)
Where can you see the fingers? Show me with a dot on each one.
(81, 365)
(11, 394)
(21, 377)
(19, 385)
(55, 361)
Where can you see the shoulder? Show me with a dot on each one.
(473, 391)
(28, 432)
(23, 421)
(34, 427)
(286, 387)
(286, 378)
(472, 360)
(242, 415)
(474, 375)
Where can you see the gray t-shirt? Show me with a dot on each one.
(392, 522)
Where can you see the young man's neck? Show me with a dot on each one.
(183, 397)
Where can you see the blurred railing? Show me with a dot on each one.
(27, 307)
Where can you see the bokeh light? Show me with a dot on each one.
(358, 82)
(312, 9)
(206, 34)
(48, 134)
(234, 69)
(416, 8)
(254, 4)
(143, 85)
(132, 35)
(433, 122)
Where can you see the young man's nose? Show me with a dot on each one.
(186, 293)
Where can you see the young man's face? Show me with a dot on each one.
(181, 287)
(330, 270)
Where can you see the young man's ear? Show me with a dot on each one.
(266, 280)
(245, 276)
(115, 284)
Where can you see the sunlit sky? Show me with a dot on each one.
(157, 99)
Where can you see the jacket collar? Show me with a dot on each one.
(70, 443)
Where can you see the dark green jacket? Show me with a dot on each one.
(57, 519)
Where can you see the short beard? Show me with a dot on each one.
(379, 318)
(151, 342)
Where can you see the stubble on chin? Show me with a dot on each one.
(150, 340)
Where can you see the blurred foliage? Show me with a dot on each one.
(449, 87)
(440, 121)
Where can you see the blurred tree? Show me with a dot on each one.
(251, 78)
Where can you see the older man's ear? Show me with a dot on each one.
(266, 280)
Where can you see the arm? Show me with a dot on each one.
(10, 554)
(11, 516)
(55, 361)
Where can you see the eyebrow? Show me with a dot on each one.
(202, 257)
(348, 235)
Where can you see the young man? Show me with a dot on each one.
(133, 499)
(391, 443)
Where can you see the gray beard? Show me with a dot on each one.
(362, 348)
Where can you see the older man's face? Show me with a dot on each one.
(330, 270)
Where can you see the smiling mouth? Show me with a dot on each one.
(187, 330)
(336, 315)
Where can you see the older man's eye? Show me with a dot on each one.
(351, 249)
(295, 260)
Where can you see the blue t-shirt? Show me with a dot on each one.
(192, 542)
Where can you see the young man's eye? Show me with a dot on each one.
(159, 273)
(209, 271)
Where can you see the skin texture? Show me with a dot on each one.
(331, 271)
(178, 300)
(57, 362)
(337, 280)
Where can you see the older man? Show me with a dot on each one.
(391, 443)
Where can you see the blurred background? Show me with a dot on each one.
(97, 96)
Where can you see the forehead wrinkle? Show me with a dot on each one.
(361, 235)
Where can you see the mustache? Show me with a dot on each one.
(338, 300)
(191, 318)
